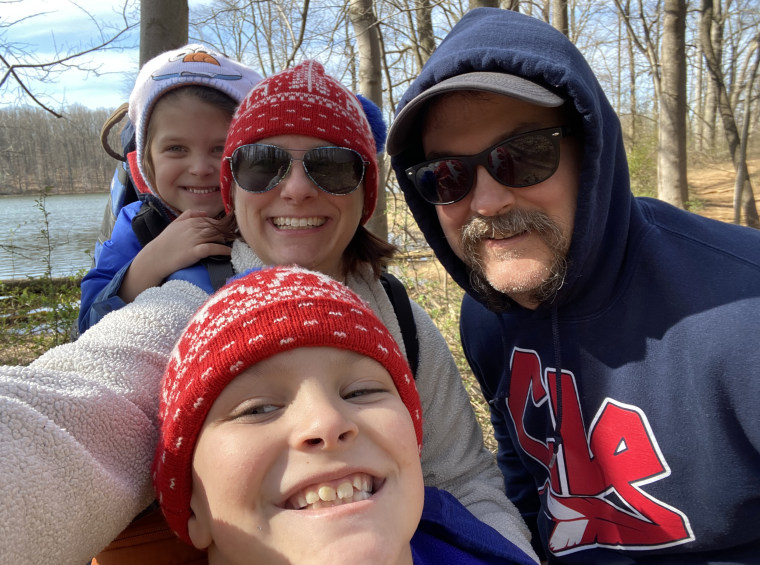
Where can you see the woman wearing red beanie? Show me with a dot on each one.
(300, 174)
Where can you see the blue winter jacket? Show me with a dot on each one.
(625, 409)
(448, 534)
(100, 286)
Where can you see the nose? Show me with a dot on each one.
(323, 422)
(297, 186)
(203, 165)
(489, 196)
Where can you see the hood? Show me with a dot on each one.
(496, 40)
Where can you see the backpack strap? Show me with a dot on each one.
(151, 220)
(109, 124)
(219, 269)
(396, 292)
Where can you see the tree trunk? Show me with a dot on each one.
(740, 177)
(163, 26)
(717, 28)
(727, 115)
(672, 120)
(483, 4)
(559, 16)
(365, 26)
(425, 34)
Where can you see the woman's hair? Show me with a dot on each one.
(366, 247)
(206, 94)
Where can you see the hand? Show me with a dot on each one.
(184, 242)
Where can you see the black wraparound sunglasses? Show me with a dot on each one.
(519, 161)
(259, 167)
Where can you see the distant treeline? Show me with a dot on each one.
(39, 151)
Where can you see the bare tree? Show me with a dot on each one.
(484, 4)
(625, 41)
(42, 151)
(742, 161)
(559, 16)
(425, 35)
(163, 26)
(365, 25)
(22, 70)
(727, 115)
(672, 120)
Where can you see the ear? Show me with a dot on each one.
(199, 523)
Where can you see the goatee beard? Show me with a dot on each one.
(512, 223)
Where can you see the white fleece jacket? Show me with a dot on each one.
(77, 431)
(77, 427)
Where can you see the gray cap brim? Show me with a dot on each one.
(498, 83)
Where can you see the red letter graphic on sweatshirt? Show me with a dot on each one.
(596, 488)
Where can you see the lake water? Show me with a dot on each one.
(74, 223)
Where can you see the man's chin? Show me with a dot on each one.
(499, 289)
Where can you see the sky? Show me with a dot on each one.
(42, 27)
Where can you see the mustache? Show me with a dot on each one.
(511, 223)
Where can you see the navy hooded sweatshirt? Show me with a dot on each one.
(627, 409)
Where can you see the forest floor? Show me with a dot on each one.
(711, 187)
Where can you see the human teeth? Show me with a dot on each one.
(327, 493)
(297, 223)
(351, 489)
(361, 495)
(362, 482)
(345, 490)
(200, 190)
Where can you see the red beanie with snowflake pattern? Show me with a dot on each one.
(250, 319)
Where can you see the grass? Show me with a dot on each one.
(35, 315)
(432, 288)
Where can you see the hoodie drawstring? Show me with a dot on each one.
(558, 385)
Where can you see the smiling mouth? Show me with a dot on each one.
(353, 488)
(287, 223)
(201, 190)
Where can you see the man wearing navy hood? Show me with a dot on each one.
(616, 339)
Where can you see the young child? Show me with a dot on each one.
(181, 106)
(290, 432)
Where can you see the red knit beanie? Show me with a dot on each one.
(303, 101)
(248, 320)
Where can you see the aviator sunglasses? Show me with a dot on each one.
(518, 161)
(258, 167)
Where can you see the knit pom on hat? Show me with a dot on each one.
(250, 319)
(189, 65)
(306, 101)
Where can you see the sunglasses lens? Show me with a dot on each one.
(517, 162)
(524, 160)
(442, 182)
(336, 170)
(258, 168)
